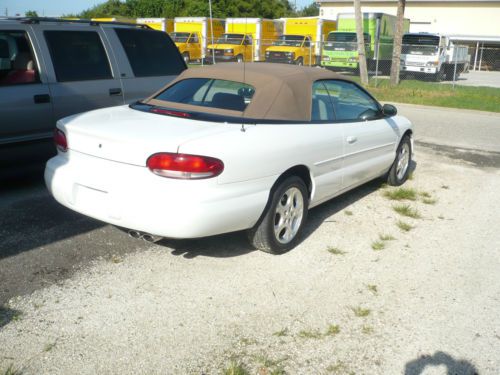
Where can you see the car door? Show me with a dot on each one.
(327, 137)
(369, 137)
(25, 101)
(81, 70)
(147, 59)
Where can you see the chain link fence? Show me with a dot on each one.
(420, 62)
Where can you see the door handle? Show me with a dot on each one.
(351, 140)
(41, 98)
(115, 92)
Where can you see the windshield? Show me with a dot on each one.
(180, 37)
(344, 41)
(420, 44)
(289, 40)
(230, 39)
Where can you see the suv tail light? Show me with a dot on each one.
(183, 166)
(60, 140)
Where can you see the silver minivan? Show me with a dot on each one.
(52, 68)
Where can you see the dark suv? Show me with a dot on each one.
(52, 68)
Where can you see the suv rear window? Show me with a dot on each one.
(214, 93)
(151, 53)
(78, 55)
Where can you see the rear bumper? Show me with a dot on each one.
(132, 197)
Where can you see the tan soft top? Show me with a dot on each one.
(282, 92)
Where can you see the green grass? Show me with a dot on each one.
(372, 288)
(235, 368)
(281, 333)
(48, 347)
(400, 194)
(335, 251)
(367, 330)
(386, 237)
(310, 334)
(348, 213)
(406, 210)
(360, 312)
(378, 245)
(429, 200)
(405, 227)
(333, 329)
(436, 94)
(11, 370)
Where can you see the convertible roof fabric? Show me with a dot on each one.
(282, 92)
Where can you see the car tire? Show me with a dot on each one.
(280, 227)
(239, 59)
(299, 61)
(400, 169)
(185, 57)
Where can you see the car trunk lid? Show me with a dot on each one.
(130, 136)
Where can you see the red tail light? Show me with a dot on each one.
(170, 113)
(60, 140)
(182, 166)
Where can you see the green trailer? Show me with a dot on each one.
(340, 50)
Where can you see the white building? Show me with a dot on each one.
(475, 23)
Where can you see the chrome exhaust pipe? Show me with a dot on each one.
(134, 234)
(150, 238)
(143, 236)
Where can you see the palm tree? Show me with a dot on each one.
(398, 38)
(363, 72)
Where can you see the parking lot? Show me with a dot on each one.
(83, 297)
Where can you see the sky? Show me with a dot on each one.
(60, 7)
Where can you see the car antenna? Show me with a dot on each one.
(244, 68)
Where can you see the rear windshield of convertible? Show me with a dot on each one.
(213, 93)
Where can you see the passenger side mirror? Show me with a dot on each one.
(389, 110)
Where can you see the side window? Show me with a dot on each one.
(17, 61)
(194, 38)
(78, 55)
(150, 53)
(307, 43)
(351, 103)
(321, 109)
(247, 41)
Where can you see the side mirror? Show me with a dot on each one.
(389, 110)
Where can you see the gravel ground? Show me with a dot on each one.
(426, 303)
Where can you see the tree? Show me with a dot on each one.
(363, 71)
(174, 8)
(31, 13)
(311, 10)
(398, 39)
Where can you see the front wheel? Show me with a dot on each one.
(280, 227)
(400, 169)
(185, 57)
(239, 58)
(299, 61)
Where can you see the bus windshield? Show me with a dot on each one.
(344, 41)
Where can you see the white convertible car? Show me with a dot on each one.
(226, 148)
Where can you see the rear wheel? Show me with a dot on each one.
(280, 227)
(400, 169)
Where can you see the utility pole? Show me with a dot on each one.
(398, 39)
(363, 71)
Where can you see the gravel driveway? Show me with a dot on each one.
(425, 302)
